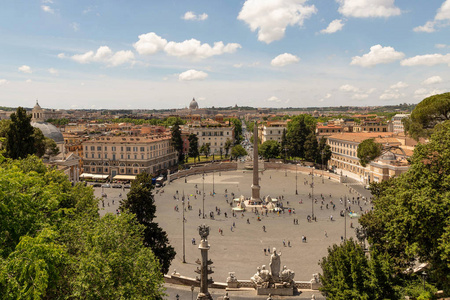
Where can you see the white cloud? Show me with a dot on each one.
(390, 96)
(191, 16)
(47, 1)
(196, 50)
(432, 80)
(47, 9)
(274, 99)
(61, 55)
(443, 12)
(3, 82)
(360, 96)
(424, 93)
(334, 26)
(370, 91)
(53, 71)
(426, 60)
(104, 55)
(271, 18)
(75, 26)
(399, 85)
(441, 46)
(28, 81)
(349, 88)
(377, 55)
(149, 43)
(428, 27)
(25, 69)
(192, 75)
(284, 60)
(327, 96)
(368, 8)
(238, 65)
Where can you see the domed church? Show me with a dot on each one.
(193, 104)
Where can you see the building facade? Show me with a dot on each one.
(215, 135)
(397, 122)
(120, 155)
(273, 131)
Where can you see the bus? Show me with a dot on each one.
(159, 181)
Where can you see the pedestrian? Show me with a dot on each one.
(284, 243)
(289, 243)
(326, 234)
(265, 251)
(264, 228)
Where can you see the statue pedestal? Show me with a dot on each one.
(277, 290)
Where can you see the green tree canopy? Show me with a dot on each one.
(227, 146)
(367, 151)
(324, 151)
(140, 201)
(238, 151)
(298, 129)
(311, 147)
(20, 139)
(347, 273)
(410, 219)
(177, 140)
(237, 130)
(427, 114)
(205, 149)
(270, 149)
(193, 146)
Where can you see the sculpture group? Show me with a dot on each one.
(273, 279)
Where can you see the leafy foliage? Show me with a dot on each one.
(227, 146)
(411, 213)
(177, 141)
(349, 274)
(238, 151)
(427, 114)
(140, 202)
(298, 129)
(367, 151)
(20, 139)
(193, 146)
(237, 130)
(205, 149)
(270, 149)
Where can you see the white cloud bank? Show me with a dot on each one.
(334, 26)
(274, 99)
(47, 9)
(53, 71)
(432, 80)
(377, 55)
(271, 17)
(426, 60)
(25, 69)
(150, 43)
(192, 75)
(368, 8)
(349, 88)
(3, 82)
(399, 85)
(284, 60)
(191, 16)
(103, 55)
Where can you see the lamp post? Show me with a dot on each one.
(312, 192)
(184, 244)
(285, 159)
(296, 191)
(424, 275)
(203, 193)
(345, 218)
(213, 179)
(192, 292)
(321, 152)
(177, 296)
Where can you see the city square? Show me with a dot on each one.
(240, 246)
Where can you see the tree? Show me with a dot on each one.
(227, 146)
(237, 130)
(410, 219)
(238, 151)
(270, 149)
(20, 140)
(367, 151)
(193, 146)
(427, 114)
(311, 147)
(349, 274)
(205, 149)
(324, 151)
(44, 147)
(140, 202)
(177, 140)
(298, 129)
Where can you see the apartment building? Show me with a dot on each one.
(120, 155)
(397, 122)
(371, 126)
(213, 133)
(344, 159)
(273, 131)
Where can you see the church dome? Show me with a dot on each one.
(49, 131)
(193, 104)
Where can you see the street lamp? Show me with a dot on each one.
(424, 275)
(312, 192)
(192, 292)
(213, 178)
(296, 191)
(177, 296)
(285, 159)
(203, 212)
(184, 245)
(321, 152)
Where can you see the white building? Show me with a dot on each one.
(213, 133)
(397, 122)
(273, 131)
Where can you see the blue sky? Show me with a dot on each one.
(262, 53)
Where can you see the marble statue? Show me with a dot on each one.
(203, 231)
(287, 276)
(265, 274)
(257, 279)
(275, 263)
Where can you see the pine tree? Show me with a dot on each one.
(20, 139)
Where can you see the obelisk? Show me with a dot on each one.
(255, 185)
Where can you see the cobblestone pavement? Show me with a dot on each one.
(240, 248)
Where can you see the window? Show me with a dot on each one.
(128, 148)
(113, 148)
(135, 156)
(106, 148)
(92, 155)
(114, 157)
(86, 155)
(86, 148)
(142, 149)
(106, 155)
(121, 156)
(99, 148)
(135, 149)
(142, 156)
(128, 156)
(92, 148)
(99, 155)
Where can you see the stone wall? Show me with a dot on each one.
(207, 168)
(301, 169)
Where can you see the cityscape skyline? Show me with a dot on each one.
(283, 53)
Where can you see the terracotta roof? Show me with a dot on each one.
(130, 139)
(380, 137)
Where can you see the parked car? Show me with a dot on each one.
(106, 185)
(127, 186)
(96, 184)
(116, 186)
